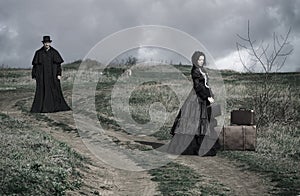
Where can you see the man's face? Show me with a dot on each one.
(47, 45)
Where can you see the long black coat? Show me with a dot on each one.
(48, 95)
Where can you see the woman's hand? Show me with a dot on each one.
(210, 99)
(59, 77)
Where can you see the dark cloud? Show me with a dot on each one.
(76, 26)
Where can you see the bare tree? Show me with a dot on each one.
(268, 58)
(271, 59)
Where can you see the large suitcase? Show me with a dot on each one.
(237, 137)
(242, 117)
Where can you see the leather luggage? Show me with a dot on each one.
(242, 117)
(237, 137)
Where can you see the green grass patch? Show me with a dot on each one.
(13, 73)
(41, 117)
(163, 133)
(34, 163)
(178, 179)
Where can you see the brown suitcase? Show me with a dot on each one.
(242, 117)
(238, 137)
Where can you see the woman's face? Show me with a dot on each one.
(201, 60)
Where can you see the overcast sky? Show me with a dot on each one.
(76, 26)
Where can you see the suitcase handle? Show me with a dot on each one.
(244, 109)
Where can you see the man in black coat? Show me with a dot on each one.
(47, 73)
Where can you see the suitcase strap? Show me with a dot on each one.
(244, 137)
(223, 137)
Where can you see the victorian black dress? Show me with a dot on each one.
(48, 95)
(193, 120)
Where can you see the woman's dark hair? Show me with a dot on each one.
(196, 56)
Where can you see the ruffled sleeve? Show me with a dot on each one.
(199, 84)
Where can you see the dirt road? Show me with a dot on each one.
(102, 179)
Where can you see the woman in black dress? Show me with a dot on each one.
(193, 120)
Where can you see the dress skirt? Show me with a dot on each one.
(190, 127)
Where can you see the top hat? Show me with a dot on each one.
(46, 38)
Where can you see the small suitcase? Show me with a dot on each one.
(242, 117)
(215, 110)
(237, 137)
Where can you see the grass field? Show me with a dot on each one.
(278, 144)
(277, 155)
